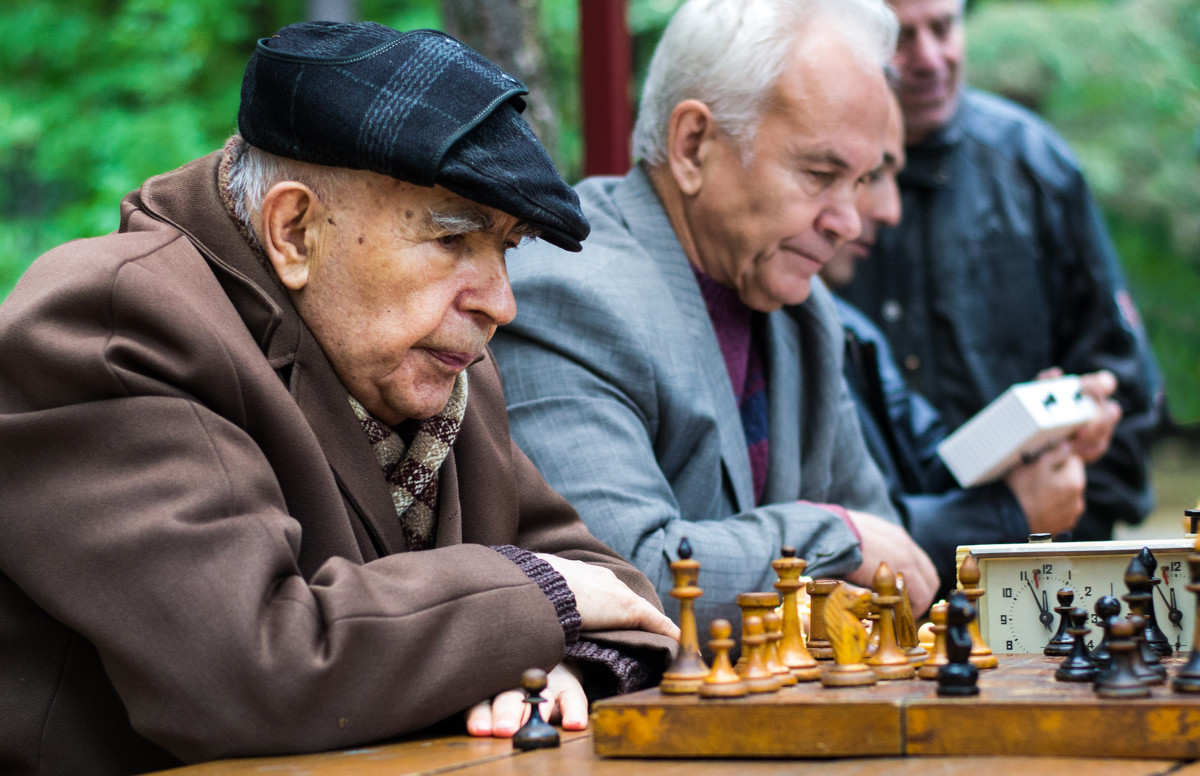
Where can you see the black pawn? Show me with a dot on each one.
(958, 677)
(1155, 637)
(1145, 660)
(1140, 600)
(1060, 643)
(1107, 607)
(536, 733)
(1119, 680)
(1078, 667)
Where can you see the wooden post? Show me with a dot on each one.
(606, 65)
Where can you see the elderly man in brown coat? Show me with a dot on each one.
(258, 490)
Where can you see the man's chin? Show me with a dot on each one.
(793, 294)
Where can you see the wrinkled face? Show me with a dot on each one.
(408, 286)
(765, 226)
(878, 204)
(929, 57)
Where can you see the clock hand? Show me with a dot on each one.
(1044, 615)
(1173, 612)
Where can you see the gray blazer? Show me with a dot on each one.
(617, 390)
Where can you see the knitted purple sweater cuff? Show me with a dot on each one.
(552, 584)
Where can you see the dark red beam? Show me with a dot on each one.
(606, 64)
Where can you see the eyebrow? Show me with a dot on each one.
(460, 220)
(824, 156)
(463, 220)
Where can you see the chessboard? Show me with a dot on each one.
(1020, 710)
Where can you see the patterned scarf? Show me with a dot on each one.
(412, 470)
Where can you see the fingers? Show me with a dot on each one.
(886, 541)
(650, 619)
(500, 717)
(508, 711)
(1051, 489)
(479, 719)
(568, 702)
(1055, 457)
(1053, 373)
(605, 602)
(1099, 385)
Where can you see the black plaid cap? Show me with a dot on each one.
(419, 106)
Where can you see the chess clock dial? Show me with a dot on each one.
(1016, 613)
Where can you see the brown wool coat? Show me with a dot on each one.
(198, 553)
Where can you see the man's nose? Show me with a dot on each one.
(924, 50)
(492, 294)
(887, 208)
(839, 221)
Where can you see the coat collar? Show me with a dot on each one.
(188, 200)
(928, 162)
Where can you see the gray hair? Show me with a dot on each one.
(253, 171)
(729, 54)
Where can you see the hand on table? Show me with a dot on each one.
(606, 603)
(503, 715)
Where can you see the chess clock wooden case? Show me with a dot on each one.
(1016, 613)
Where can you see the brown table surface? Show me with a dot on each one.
(467, 756)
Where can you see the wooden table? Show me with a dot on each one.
(461, 755)
(466, 756)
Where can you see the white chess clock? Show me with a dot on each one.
(1016, 613)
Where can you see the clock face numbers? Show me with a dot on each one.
(1167, 609)
(1017, 611)
(1025, 611)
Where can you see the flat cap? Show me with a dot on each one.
(419, 106)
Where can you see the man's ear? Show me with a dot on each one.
(290, 223)
(690, 135)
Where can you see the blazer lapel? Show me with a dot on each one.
(785, 397)
(642, 210)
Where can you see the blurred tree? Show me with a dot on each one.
(1121, 82)
(508, 33)
(97, 95)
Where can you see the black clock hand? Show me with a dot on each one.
(1044, 615)
(1173, 612)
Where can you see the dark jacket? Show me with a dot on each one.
(199, 556)
(902, 431)
(1001, 267)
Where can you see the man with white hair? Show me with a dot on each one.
(690, 349)
(259, 491)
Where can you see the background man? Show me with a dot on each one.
(689, 349)
(259, 492)
(1001, 266)
(903, 430)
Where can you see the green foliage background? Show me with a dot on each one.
(97, 95)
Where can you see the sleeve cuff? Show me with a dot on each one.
(552, 585)
(841, 512)
(609, 671)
